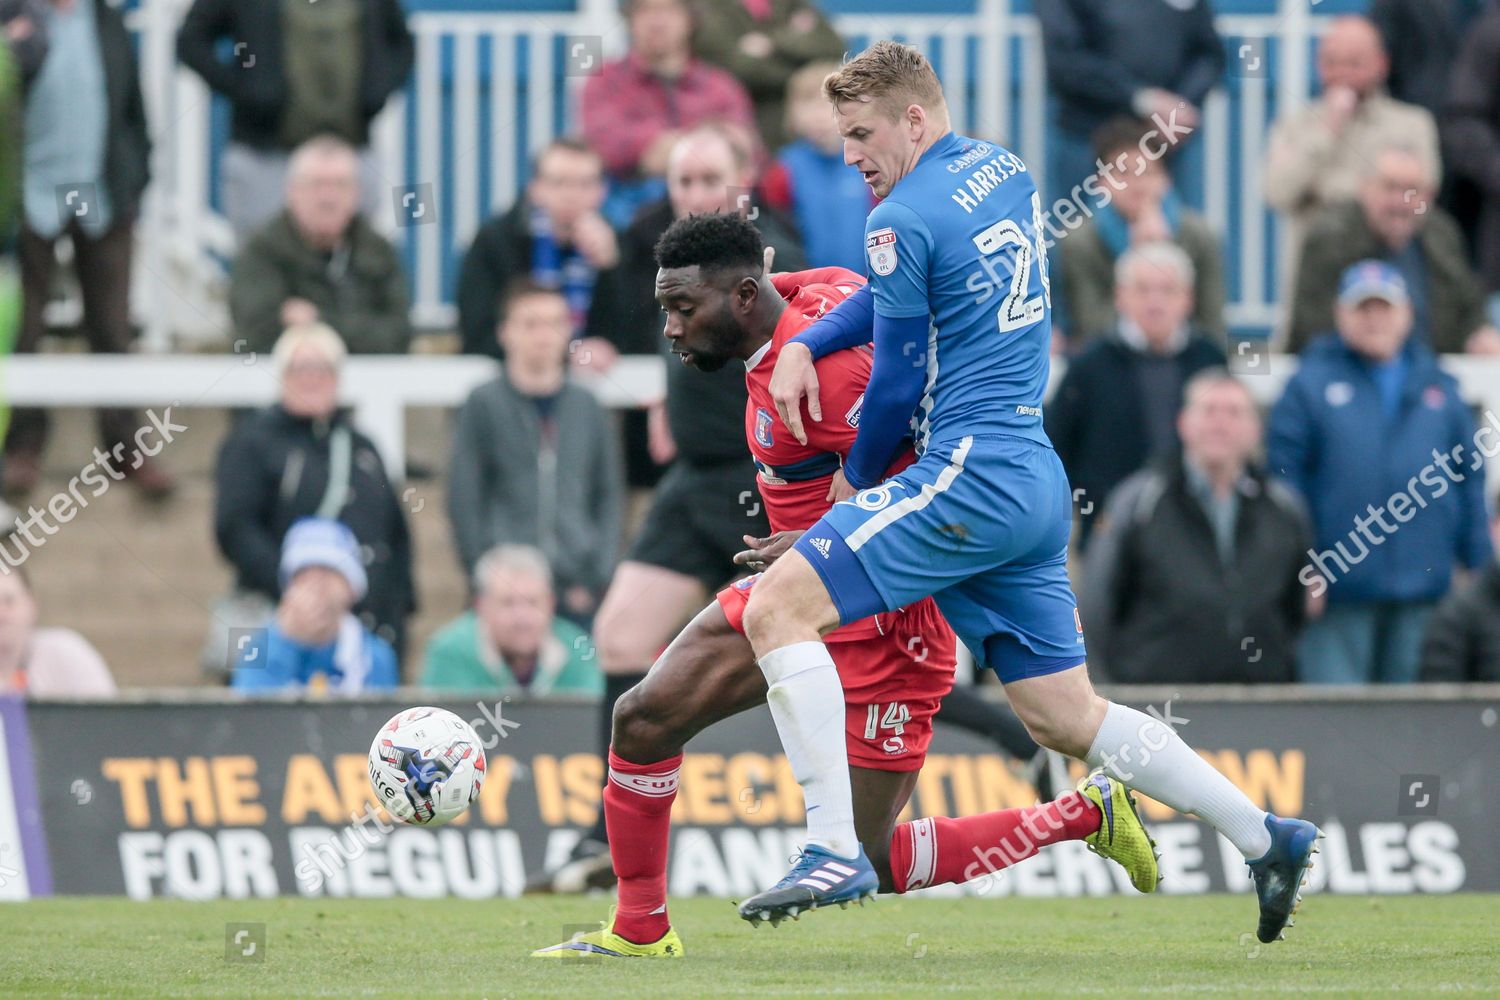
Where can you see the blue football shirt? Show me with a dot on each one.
(960, 241)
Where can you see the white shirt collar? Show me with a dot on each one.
(752, 362)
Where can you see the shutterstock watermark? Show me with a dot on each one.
(105, 470)
(323, 860)
(1431, 482)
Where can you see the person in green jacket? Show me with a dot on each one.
(512, 642)
(763, 42)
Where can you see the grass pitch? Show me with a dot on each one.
(1342, 946)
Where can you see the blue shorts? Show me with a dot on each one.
(982, 525)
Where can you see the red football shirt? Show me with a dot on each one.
(794, 478)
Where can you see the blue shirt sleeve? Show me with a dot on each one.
(899, 248)
(897, 378)
(850, 324)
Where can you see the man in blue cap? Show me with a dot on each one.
(314, 643)
(1378, 440)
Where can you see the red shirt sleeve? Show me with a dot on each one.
(842, 377)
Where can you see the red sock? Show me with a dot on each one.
(939, 850)
(638, 815)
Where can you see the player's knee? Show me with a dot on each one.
(642, 728)
(1056, 730)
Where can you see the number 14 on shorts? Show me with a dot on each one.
(892, 717)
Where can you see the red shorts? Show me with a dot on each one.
(895, 667)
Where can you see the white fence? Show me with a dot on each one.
(488, 89)
(380, 389)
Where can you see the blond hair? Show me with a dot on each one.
(321, 337)
(891, 75)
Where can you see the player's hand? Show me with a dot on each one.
(794, 379)
(840, 489)
(764, 551)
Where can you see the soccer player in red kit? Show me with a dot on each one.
(895, 667)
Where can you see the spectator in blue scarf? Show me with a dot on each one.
(1132, 203)
(556, 238)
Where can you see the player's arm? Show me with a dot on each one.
(849, 324)
(900, 247)
(897, 380)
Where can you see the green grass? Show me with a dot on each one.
(1342, 946)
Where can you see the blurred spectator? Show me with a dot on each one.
(313, 642)
(634, 110)
(292, 71)
(24, 45)
(319, 261)
(44, 662)
(1155, 60)
(1395, 220)
(535, 457)
(23, 23)
(1462, 645)
(1371, 428)
(763, 43)
(1321, 151)
(85, 166)
(298, 458)
(810, 181)
(1117, 405)
(512, 643)
(1471, 130)
(1141, 208)
(1193, 574)
(708, 500)
(556, 236)
(1421, 40)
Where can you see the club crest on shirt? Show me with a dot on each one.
(881, 248)
(763, 427)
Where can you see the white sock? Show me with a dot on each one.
(1145, 754)
(807, 702)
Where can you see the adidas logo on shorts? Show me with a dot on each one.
(823, 545)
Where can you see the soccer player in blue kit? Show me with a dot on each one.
(959, 310)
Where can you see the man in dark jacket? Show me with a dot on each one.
(1117, 405)
(321, 262)
(1192, 576)
(536, 460)
(1462, 645)
(1471, 133)
(1395, 219)
(86, 159)
(1106, 59)
(295, 70)
(301, 458)
(554, 236)
(1382, 448)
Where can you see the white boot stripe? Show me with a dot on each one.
(843, 870)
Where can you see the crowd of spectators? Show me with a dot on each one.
(1207, 550)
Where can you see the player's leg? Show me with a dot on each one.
(707, 674)
(867, 555)
(788, 613)
(663, 581)
(642, 610)
(1030, 615)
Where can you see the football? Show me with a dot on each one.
(426, 766)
